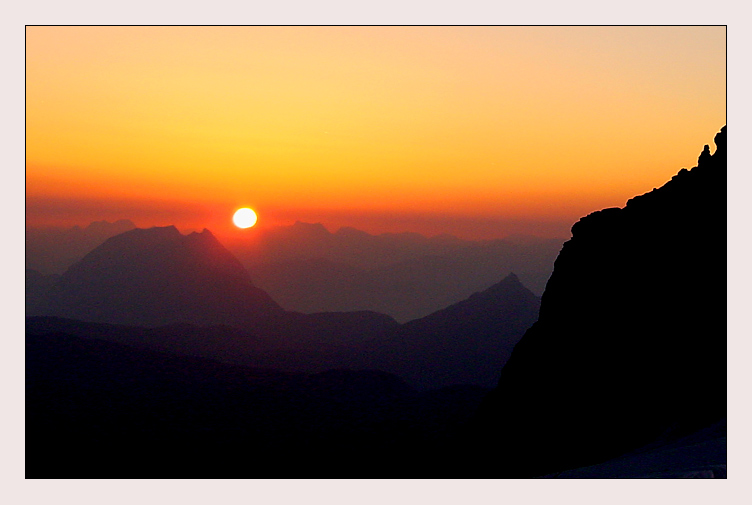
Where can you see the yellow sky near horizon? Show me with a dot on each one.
(527, 123)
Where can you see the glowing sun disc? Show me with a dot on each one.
(244, 218)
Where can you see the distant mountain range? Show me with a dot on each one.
(305, 268)
(466, 343)
(188, 285)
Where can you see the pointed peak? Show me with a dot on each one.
(511, 278)
(204, 237)
(203, 233)
(509, 283)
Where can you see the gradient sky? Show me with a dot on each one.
(474, 131)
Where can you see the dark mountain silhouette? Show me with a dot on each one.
(223, 343)
(630, 344)
(305, 268)
(359, 249)
(157, 276)
(53, 250)
(97, 409)
(407, 276)
(465, 343)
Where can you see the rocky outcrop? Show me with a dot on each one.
(630, 344)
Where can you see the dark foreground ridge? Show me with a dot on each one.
(98, 409)
(630, 345)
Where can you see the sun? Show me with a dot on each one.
(244, 218)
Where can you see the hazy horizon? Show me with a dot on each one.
(498, 230)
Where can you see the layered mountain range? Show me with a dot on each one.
(172, 291)
(306, 268)
(158, 344)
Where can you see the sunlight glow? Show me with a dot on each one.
(244, 218)
(489, 123)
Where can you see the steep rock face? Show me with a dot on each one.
(630, 344)
(158, 276)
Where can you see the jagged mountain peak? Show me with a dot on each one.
(146, 235)
(510, 280)
(157, 276)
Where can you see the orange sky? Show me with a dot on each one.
(475, 131)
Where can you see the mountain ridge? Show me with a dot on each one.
(465, 343)
(188, 278)
(306, 268)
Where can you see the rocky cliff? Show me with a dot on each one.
(630, 344)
